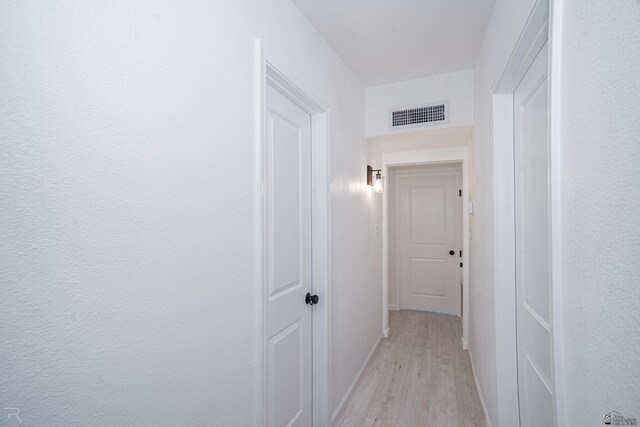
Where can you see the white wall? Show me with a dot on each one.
(507, 20)
(457, 88)
(128, 214)
(598, 130)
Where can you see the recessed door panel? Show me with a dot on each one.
(540, 405)
(428, 216)
(286, 397)
(537, 331)
(285, 157)
(428, 277)
(534, 205)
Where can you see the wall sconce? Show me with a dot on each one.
(378, 182)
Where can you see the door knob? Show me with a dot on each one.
(311, 299)
(451, 252)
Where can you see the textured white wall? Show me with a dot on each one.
(457, 88)
(128, 215)
(599, 136)
(507, 20)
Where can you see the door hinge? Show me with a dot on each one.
(460, 264)
(460, 254)
(460, 193)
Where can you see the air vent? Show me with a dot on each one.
(434, 114)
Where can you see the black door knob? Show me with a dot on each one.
(451, 252)
(311, 299)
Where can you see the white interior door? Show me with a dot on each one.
(533, 293)
(428, 243)
(288, 240)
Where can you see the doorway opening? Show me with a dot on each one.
(435, 158)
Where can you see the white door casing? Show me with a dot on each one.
(532, 231)
(288, 242)
(428, 215)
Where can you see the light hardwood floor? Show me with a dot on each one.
(419, 376)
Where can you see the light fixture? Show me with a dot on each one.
(378, 182)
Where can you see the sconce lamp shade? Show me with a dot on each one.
(378, 184)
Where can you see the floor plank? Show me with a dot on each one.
(419, 376)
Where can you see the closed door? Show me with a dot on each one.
(533, 291)
(288, 247)
(428, 243)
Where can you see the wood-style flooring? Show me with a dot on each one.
(419, 376)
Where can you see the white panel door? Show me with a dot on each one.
(429, 219)
(533, 292)
(288, 240)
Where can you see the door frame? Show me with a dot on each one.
(270, 70)
(426, 157)
(535, 33)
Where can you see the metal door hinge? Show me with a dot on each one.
(460, 254)
(460, 193)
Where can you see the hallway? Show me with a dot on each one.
(418, 376)
(211, 211)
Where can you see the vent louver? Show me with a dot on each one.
(436, 113)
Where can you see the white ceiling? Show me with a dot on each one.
(385, 41)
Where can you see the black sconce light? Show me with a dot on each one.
(378, 182)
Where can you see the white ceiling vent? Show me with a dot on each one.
(433, 114)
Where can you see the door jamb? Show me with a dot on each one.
(270, 70)
(407, 158)
(532, 38)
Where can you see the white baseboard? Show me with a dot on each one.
(353, 385)
(475, 378)
(393, 307)
(465, 344)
